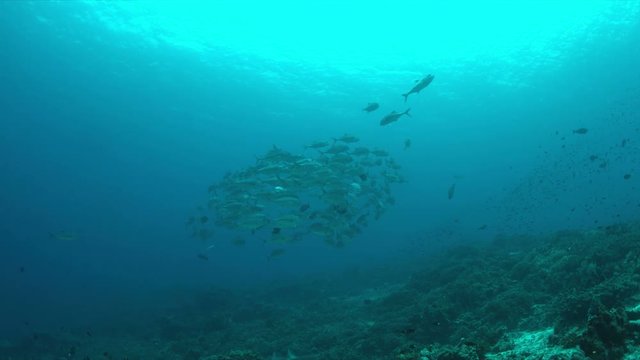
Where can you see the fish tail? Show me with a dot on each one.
(407, 112)
(405, 96)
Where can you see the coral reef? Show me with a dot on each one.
(571, 295)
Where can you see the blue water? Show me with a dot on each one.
(116, 133)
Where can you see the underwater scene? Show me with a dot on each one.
(319, 180)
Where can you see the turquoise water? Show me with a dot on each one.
(116, 117)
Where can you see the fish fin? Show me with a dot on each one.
(405, 96)
(407, 112)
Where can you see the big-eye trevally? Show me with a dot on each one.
(393, 116)
(347, 138)
(63, 235)
(419, 86)
(317, 145)
(275, 253)
(452, 191)
(371, 107)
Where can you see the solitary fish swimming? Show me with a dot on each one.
(452, 191)
(393, 116)
(203, 257)
(63, 235)
(419, 86)
(275, 253)
(581, 131)
(371, 107)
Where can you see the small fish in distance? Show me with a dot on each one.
(452, 191)
(371, 107)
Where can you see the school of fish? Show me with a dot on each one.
(330, 191)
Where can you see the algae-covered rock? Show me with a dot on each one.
(235, 355)
(460, 352)
(533, 345)
(606, 333)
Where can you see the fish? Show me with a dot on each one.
(204, 219)
(204, 234)
(304, 207)
(419, 86)
(336, 149)
(271, 169)
(627, 176)
(320, 229)
(317, 145)
(286, 222)
(360, 151)
(581, 131)
(252, 222)
(63, 235)
(407, 144)
(203, 257)
(347, 138)
(275, 253)
(341, 158)
(452, 191)
(238, 241)
(393, 116)
(282, 239)
(276, 154)
(287, 200)
(371, 107)
(379, 152)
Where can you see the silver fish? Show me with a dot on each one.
(419, 86)
(371, 107)
(393, 116)
(452, 191)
